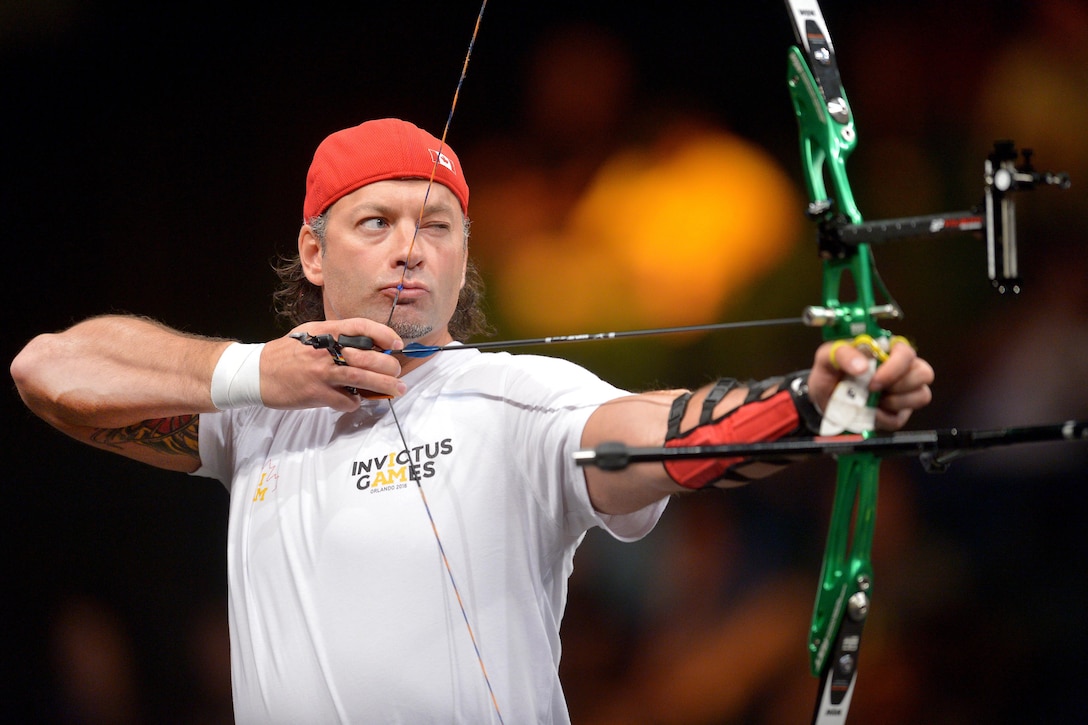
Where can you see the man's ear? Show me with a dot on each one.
(309, 253)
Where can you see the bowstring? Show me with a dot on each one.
(437, 158)
(396, 420)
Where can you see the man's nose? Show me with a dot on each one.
(407, 252)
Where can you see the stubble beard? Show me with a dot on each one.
(409, 331)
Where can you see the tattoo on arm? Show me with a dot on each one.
(176, 435)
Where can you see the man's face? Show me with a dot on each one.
(366, 256)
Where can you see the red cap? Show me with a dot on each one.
(387, 148)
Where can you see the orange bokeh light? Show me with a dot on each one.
(661, 237)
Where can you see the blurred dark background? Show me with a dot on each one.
(153, 162)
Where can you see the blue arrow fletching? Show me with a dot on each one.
(416, 350)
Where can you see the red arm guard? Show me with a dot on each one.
(757, 419)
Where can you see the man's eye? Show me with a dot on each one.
(374, 223)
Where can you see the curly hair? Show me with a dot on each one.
(297, 300)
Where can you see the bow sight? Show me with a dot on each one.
(995, 216)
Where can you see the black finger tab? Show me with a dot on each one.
(360, 342)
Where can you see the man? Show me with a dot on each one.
(402, 528)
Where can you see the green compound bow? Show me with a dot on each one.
(827, 137)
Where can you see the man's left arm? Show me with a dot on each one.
(646, 420)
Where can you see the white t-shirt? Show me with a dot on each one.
(341, 609)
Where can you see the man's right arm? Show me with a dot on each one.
(123, 384)
(136, 387)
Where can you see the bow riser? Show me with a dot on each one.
(827, 138)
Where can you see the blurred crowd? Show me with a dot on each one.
(659, 214)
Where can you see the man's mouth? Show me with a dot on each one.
(407, 293)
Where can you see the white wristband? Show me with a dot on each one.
(236, 381)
